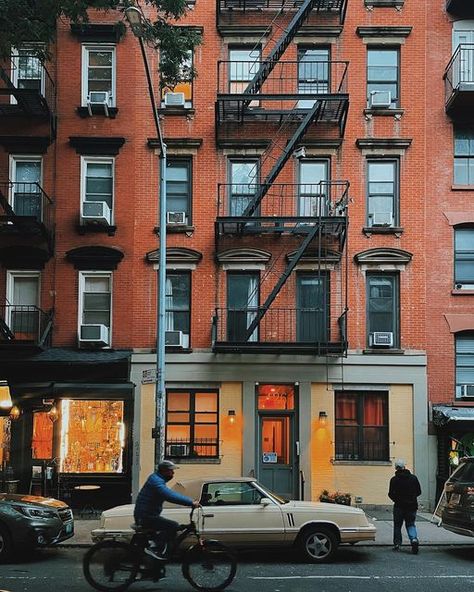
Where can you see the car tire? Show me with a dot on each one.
(318, 544)
(6, 544)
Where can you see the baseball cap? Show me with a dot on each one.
(167, 464)
(400, 463)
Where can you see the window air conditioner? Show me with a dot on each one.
(380, 99)
(467, 390)
(382, 219)
(96, 211)
(176, 217)
(175, 338)
(94, 334)
(174, 99)
(462, 286)
(178, 450)
(101, 98)
(381, 339)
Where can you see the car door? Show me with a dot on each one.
(235, 515)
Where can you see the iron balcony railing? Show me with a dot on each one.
(20, 323)
(364, 449)
(26, 83)
(197, 448)
(21, 202)
(459, 74)
(299, 201)
(287, 80)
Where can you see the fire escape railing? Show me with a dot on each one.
(20, 324)
(459, 73)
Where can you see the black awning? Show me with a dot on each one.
(444, 414)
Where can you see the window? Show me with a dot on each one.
(313, 307)
(178, 307)
(382, 306)
(98, 75)
(95, 307)
(25, 193)
(184, 85)
(242, 305)
(383, 76)
(230, 494)
(243, 178)
(244, 64)
(313, 188)
(382, 192)
(178, 190)
(192, 423)
(313, 73)
(5, 437)
(464, 156)
(97, 188)
(27, 70)
(22, 308)
(362, 426)
(464, 258)
(465, 364)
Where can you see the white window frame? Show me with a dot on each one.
(15, 69)
(11, 275)
(13, 160)
(85, 71)
(82, 282)
(85, 160)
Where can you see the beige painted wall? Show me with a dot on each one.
(367, 481)
(230, 436)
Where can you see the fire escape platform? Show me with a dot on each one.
(337, 348)
(293, 225)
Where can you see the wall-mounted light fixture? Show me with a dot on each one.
(15, 413)
(323, 417)
(231, 415)
(5, 398)
(53, 413)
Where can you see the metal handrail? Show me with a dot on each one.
(26, 200)
(27, 322)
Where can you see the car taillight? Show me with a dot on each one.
(469, 490)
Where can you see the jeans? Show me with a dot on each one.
(169, 528)
(399, 516)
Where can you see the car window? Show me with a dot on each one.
(464, 473)
(230, 494)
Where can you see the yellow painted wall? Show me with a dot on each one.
(367, 481)
(230, 436)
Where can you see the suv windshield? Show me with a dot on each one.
(464, 473)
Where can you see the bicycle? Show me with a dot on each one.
(112, 566)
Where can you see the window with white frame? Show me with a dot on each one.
(22, 313)
(182, 93)
(465, 364)
(25, 180)
(97, 194)
(98, 75)
(178, 308)
(382, 192)
(95, 300)
(464, 258)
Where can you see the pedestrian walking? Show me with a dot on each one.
(403, 491)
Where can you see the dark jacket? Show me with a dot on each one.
(404, 489)
(152, 495)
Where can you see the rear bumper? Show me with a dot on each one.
(101, 534)
(359, 534)
(465, 531)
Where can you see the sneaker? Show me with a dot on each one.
(414, 546)
(396, 548)
(154, 554)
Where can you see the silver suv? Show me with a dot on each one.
(456, 506)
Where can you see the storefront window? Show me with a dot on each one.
(5, 424)
(42, 442)
(92, 436)
(276, 396)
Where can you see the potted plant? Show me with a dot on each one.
(335, 497)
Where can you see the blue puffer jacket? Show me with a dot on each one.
(152, 495)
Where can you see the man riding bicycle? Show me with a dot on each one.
(149, 505)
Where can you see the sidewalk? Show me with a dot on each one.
(429, 533)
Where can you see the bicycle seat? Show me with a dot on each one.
(142, 529)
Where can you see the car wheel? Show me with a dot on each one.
(6, 545)
(318, 544)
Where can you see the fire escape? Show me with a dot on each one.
(302, 222)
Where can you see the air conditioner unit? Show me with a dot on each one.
(462, 286)
(174, 99)
(175, 338)
(382, 219)
(178, 449)
(380, 99)
(97, 211)
(94, 334)
(176, 217)
(467, 390)
(381, 339)
(99, 97)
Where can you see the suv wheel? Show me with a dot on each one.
(6, 545)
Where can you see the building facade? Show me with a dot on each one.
(300, 295)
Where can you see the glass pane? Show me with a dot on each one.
(346, 408)
(178, 417)
(461, 171)
(99, 170)
(382, 57)
(97, 284)
(100, 74)
(205, 434)
(274, 438)
(230, 494)
(96, 318)
(464, 240)
(206, 402)
(274, 396)
(374, 409)
(178, 291)
(96, 302)
(5, 425)
(178, 401)
(177, 172)
(243, 173)
(100, 58)
(42, 440)
(27, 171)
(178, 433)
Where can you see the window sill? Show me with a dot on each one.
(96, 228)
(396, 230)
(180, 111)
(176, 229)
(387, 351)
(384, 3)
(462, 187)
(97, 110)
(397, 113)
(175, 349)
(365, 463)
(196, 461)
(455, 292)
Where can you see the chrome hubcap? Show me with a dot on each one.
(318, 545)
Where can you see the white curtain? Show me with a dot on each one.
(169, 315)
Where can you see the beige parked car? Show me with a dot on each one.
(243, 514)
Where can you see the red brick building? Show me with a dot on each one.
(300, 297)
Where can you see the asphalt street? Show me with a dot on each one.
(356, 569)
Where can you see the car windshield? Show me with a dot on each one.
(275, 496)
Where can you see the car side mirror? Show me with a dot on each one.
(265, 501)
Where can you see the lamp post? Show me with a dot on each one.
(135, 18)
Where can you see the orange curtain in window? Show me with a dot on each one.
(374, 410)
(346, 408)
(42, 442)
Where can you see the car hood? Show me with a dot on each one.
(15, 498)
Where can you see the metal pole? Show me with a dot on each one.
(160, 388)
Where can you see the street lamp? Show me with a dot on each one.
(135, 18)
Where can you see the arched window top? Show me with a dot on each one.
(175, 255)
(98, 257)
(244, 256)
(383, 256)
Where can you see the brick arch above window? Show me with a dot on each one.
(176, 258)
(98, 257)
(383, 256)
(459, 218)
(458, 323)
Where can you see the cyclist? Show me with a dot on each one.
(149, 506)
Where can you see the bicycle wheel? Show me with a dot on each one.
(210, 566)
(111, 566)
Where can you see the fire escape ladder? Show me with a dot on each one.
(5, 331)
(272, 59)
(312, 231)
(6, 206)
(311, 116)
